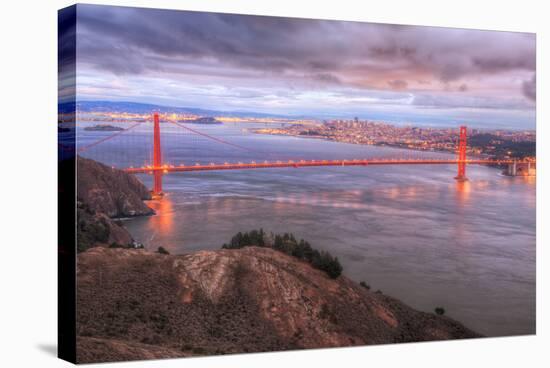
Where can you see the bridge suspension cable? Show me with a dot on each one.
(84, 148)
(219, 140)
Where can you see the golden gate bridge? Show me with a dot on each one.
(159, 167)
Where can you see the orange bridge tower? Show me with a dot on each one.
(461, 161)
(157, 158)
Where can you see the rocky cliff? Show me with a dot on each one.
(110, 191)
(97, 229)
(135, 304)
(104, 193)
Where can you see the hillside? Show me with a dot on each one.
(135, 304)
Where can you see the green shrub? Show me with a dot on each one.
(240, 240)
(287, 244)
(365, 285)
(439, 311)
(326, 262)
(133, 245)
(162, 250)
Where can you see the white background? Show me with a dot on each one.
(28, 224)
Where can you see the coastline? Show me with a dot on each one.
(258, 131)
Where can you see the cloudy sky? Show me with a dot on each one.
(301, 66)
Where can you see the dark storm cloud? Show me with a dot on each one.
(326, 78)
(127, 36)
(282, 64)
(66, 54)
(134, 41)
(66, 37)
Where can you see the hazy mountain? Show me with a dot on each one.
(143, 108)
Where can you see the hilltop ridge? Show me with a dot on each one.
(232, 301)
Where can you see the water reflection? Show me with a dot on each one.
(529, 179)
(163, 221)
(463, 189)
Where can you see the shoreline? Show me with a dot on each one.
(257, 131)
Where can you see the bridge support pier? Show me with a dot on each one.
(520, 169)
(157, 185)
(512, 169)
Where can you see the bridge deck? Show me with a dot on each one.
(312, 163)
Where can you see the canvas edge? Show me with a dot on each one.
(66, 176)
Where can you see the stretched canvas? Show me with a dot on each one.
(237, 183)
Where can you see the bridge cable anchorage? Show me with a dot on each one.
(84, 148)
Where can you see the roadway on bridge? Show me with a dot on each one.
(309, 163)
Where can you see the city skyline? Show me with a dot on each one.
(308, 67)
